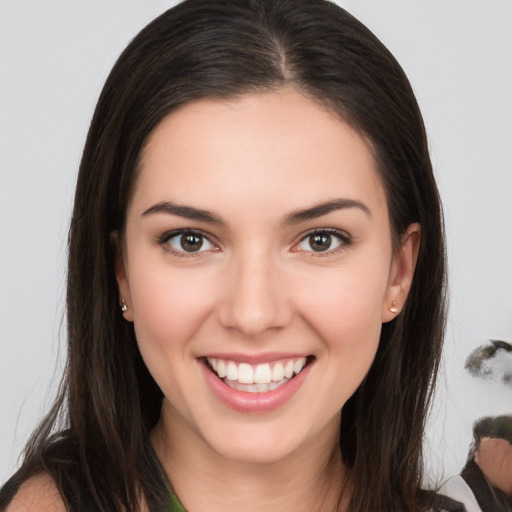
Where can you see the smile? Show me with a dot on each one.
(255, 384)
(260, 378)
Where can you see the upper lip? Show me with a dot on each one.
(267, 357)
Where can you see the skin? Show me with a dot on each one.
(494, 457)
(37, 494)
(256, 287)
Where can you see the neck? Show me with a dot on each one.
(311, 478)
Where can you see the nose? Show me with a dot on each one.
(255, 298)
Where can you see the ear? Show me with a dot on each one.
(121, 276)
(401, 273)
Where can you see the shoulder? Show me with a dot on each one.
(38, 493)
(444, 503)
(456, 488)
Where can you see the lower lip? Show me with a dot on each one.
(243, 401)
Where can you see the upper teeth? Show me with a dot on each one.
(257, 374)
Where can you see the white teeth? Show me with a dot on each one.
(263, 374)
(221, 368)
(288, 370)
(261, 387)
(260, 378)
(245, 374)
(275, 385)
(254, 388)
(231, 371)
(278, 372)
(299, 364)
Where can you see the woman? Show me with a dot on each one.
(257, 197)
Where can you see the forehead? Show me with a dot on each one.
(274, 146)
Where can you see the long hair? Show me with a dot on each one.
(99, 454)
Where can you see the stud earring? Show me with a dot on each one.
(124, 307)
(393, 308)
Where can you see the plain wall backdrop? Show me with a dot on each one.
(54, 58)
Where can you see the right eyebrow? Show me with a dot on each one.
(187, 212)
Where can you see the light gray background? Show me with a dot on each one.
(54, 57)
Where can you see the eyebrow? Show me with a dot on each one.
(323, 209)
(187, 212)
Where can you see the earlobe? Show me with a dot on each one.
(402, 273)
(121, 278)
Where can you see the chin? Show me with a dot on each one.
(252, 447)
(255, 454)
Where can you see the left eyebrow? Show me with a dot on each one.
(323, 209)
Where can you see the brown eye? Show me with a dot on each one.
(188, 242)
(320, 242)
(191, 242)
(326, 240)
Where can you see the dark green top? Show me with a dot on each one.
(173, 505)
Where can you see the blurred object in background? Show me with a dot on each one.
(492, 361)
(485, 482)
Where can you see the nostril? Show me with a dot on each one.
(254, 300)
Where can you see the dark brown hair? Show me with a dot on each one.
(95, 440)
(498, 427)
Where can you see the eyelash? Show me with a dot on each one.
(166, 237)
(344, 240)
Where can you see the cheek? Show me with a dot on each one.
(347, 300)
(169, 307)
(345, 310)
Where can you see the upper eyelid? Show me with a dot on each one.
(346, 240)
(180, 231)
(164, 239)
(332, 231)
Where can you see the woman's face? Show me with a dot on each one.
(257, 268)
